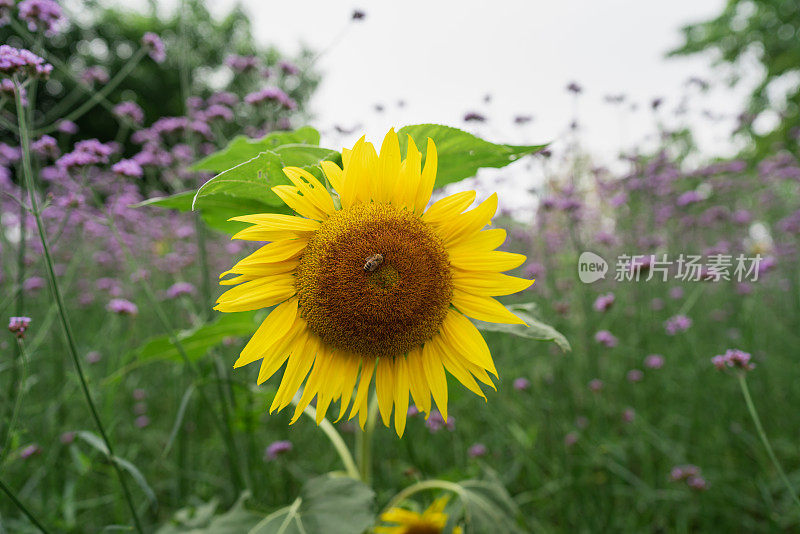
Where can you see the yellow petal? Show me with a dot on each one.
(384, 387)
(350, 369)
(489, 284)
(311, 189)
(484, 241)
(458, 332)
(389, 168)
(477, 260)
(300, 362)
(405, 189)
(434, 374)
(271, 331)
(251, 270)
(454, 367)
(336, 178)
(257, 294)
(418, 384)
(277, 354)
(483, 308)
(360, 404)
(401, 386)
(278, 251)
(449, 207)
(428, 178)
(466, 225)
(291, 197)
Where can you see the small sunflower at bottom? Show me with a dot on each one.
(432, 521)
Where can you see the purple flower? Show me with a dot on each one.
(93, 357)
(289, 68)
(271, 94)
(34, 283)
(435, 422)
(139, 394)
(180, 288)
(122, 307)
(95, 74)
(604, 302)
(596, 385)
(683, 472)
(223, 98)
(628, 415)
(654, 361)
(155, 47)
(412, 411)
(42, 15)
(676, 293)
(142, 421)
(8, 89)
(606, 338)
(635, 375)
(67, 437)
(140, 408)
(697, 483)
(242, 64)
(30, 450)
(277, 448)
(18, 326)
(21, 61)
(521, 384)
(477, 450)
(676, 324)
(689, 197)
(574, 88)
(129, 110)
(733, 359)
(88, 152)
(128, 167)
(570, 439)
(46, 147)
(67, 127)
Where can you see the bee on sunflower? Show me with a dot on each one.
(367, 281)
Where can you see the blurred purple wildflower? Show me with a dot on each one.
(155, 47)
(522, 384)
(477, 450)
(122, 307)
(606, 338)
(18, 326)
(733, 359)
(271, 94)
(277, 448)
(654, 361)
(128, 167)
(129, 110)
(42, 15)
(21, 61)
(180, 288)
(676, 324)
(604, 302)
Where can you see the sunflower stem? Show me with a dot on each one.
(364, 442)
(56, 291)
(336, 440)
(22, 508)
(421, 486)
(763, 435)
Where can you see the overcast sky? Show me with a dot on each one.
(442, 57)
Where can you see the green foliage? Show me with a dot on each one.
(327, 504)
(196, 342)
(769, 30)
(202, 519)
(461, 154)
(536, 329)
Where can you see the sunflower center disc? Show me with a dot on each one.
(386, 309)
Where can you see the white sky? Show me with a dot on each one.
(442, 57)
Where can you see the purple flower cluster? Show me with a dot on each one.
(733, 359)
(606, 338)
(44, 15)
(95, 74)
(271, 94)
(435, 422)
(243, 64)
(131, 111)
(604, 302)
(677, 324)
(690, 475)
(88, 152)
(155, 47)
(128, 167)
(122, 307)
(277, 448)
(18, 326)
(180, 288)
(654, 361)
(19, 61)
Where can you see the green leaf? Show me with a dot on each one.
(536, 329)
(198, 341)
(327, 505)
(295, 155)
(487, 507)
(251, 180)
(200, 519)
(242, 148)
(461, 154)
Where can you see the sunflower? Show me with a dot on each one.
(431, 521)
(367, 281)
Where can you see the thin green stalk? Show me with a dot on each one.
(20, 392)
(170, 332)
(760, 429)
(96, 97)
(56, 290)
(422, 486)
(22, 508)
(364, 442)
(336, 440)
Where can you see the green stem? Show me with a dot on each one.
(56, 290)
(364, 442)
(100, 95)
(336, 440)
(18, 504)
(760, 429)
(422, 486)
(18, 401)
